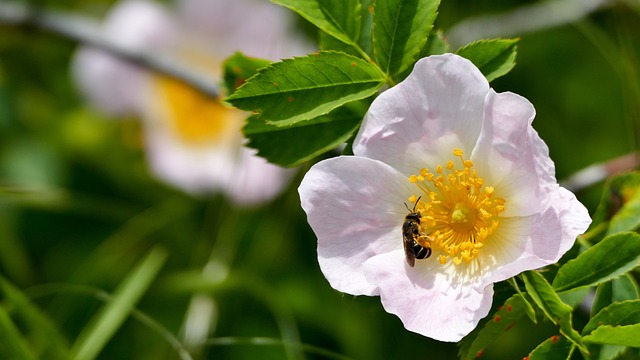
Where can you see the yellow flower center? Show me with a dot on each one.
(195, 117)
(458, 211)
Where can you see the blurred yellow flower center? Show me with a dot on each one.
(458, 211)
(195, 117)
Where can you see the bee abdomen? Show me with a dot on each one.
(420, 251)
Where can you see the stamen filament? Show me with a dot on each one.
(458, 212)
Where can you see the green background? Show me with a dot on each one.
(79, 205)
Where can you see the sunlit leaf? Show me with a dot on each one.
(495, 57)
(400, 30)
(304, 88)
(436, 45)
(610, 258)
(556, 347)
(558, 312)
(105, 323)
(616, 290)
(508, 315)
(617, 314)
(628, 335)
(328, 42)
(528, 306)
(293, 145)
(338, 18)
(239, 67)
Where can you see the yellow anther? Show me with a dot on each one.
(450, 165)
(459, 212)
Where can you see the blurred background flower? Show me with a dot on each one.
(192, 140)
(78, 205)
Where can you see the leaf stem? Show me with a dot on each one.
(387, 78)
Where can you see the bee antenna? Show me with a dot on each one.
(416, 204)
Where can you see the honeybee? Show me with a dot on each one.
(410, 231)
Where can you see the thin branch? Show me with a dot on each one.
(524, 19)
(598, 172)
(87, 32)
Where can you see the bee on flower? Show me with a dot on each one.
(486, 201)
(192, 141)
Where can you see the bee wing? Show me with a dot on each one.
(407, 239)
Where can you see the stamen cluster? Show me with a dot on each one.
(458, 211)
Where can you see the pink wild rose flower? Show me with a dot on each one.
(443, 145)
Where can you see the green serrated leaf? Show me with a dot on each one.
(617, 314)
(558, 312)
(304, 140)
(616, 290)
(494, 58)
(328, 43)
(338, 18)
(554, 348)
(104, 324)
(619, 335)
(608, 259)
(304, 88)
(528, 307)
(436, 45)
(574, 297)
(239, 67)
(508, 315)
(400, 30)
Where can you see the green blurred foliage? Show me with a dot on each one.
(79, 205)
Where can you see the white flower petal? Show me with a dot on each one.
(420, 121)
(526, 243)
(267, 30)
(506, 154)
(115, 86)
(111, 85)
(139, 25)
(255, 180)
(195, 169)
(355, 206)
(428, 300)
